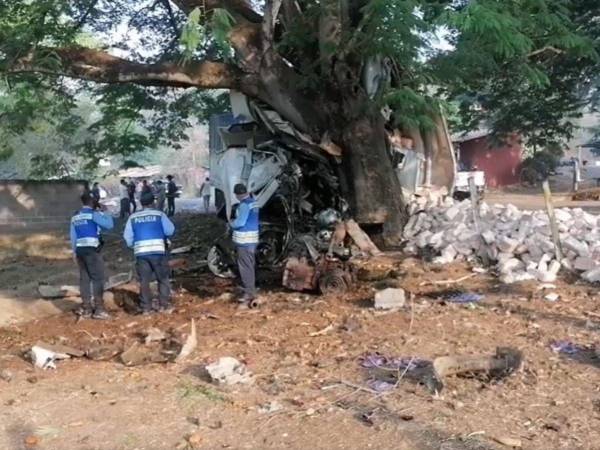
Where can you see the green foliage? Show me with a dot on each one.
(519, 66)
(412, 110)
(525, 66)
(192, 34)
(221, 24)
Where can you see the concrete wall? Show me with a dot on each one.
(38, 205)
(500, 164)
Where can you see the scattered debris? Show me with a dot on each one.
(44, 359)
(59, 348)
(181, 250)
(226, 297)
(566, 347)
(271, 407)
(6, 375)
(552, 297)
(386, 373)
(103, 352)
(228, 370)
(51, 292)
(508, 441)
(154, 335)
(329, 275)
(505, 361)
(190, 344)
(118, 280)
(178, 263)
(458, 280)
(54, 292)
(323, 331)
(543, 286)
(195, 440)
(137, 355)
(463, 297)
(351, 324)
(390, 298)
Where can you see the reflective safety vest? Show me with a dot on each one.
(86, 230)
(248, 234)
(148, 233)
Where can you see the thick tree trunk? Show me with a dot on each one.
(373, 189)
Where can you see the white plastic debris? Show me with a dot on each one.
(44, 359)
(228, 370)
(390, 298)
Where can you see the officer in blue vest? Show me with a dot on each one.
(245, 238)
(147, 231)
(86, 243)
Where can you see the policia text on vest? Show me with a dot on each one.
(146, 232)
(86, 243)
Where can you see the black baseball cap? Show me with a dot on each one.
(240, 189)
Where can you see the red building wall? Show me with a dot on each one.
(501, 164)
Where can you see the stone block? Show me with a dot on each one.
(506, 244)
(390, 298)
(489, 237)
(452, 212)
(584, 264)
(593, 276)
(579, 247)
(510, 265)
(562, 215)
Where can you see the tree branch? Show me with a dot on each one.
(237, 8)
(272, 8)
(172, 19)
(548, 48)
(96, 65)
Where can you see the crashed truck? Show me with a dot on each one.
(294, 182)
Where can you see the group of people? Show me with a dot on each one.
(147, 232)
(159, 190)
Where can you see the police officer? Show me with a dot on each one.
(146, 231)
(86, 243)
(245, 238)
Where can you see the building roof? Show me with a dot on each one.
(471, 135)
(140, 172)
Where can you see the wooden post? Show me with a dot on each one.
(474, 203)
(552, 218)
(476, 218)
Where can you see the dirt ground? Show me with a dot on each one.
(552, 402)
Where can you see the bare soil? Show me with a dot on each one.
(551, 403)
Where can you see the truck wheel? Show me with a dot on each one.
(216, 263)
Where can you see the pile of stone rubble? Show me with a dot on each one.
(519, 242)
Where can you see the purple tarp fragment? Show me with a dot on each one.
(566, 347)
(378, 361)
(464, 297)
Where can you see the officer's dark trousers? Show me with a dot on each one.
(124, 208)
(148, 268)
(246, 265)
(170, 206)
(91, 278)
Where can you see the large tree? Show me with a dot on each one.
(306, 59)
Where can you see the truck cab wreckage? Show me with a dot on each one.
(306, 228)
